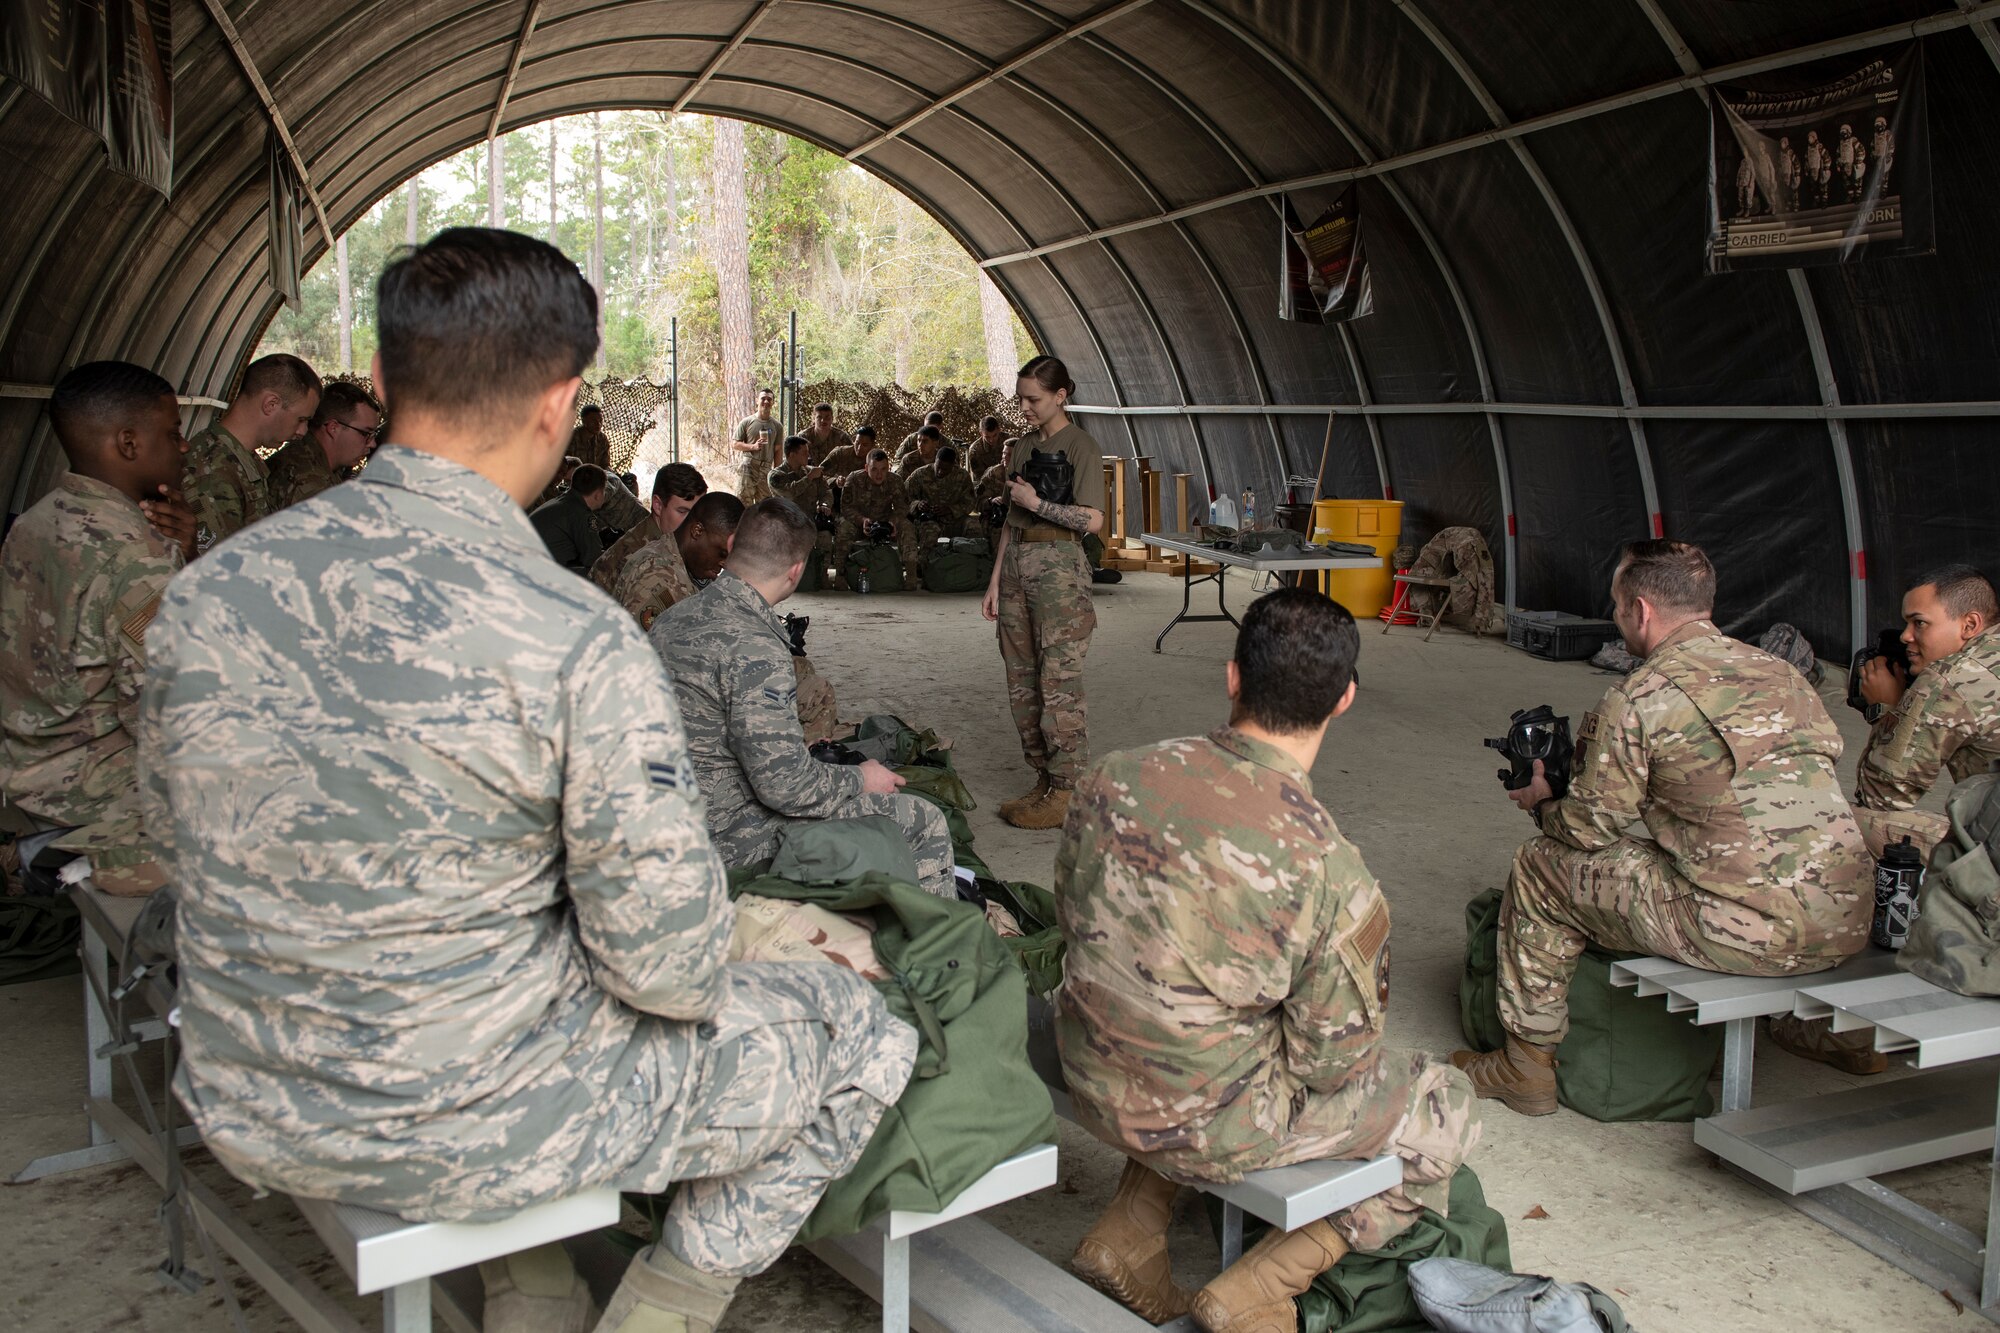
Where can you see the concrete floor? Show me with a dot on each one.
(1636, 1209)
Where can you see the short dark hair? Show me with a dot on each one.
(1675, 576)
(929, 433)
(796, 442)
(101, 393)
(682, 480)
(933, 418)
(718, 511)
(281, 373)
(860, 431)
(589, 479)
(764, 390)
(874, 454)
(989, 423)
(476, 316)
(1294, 659)
(1963, 590)
(774, 535)
(822, 407)
(337, 398)
(947, 452)
(591, 410)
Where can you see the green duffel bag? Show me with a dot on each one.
(949, 570)
(1624, 1059)
(813, 578)
(974, 1100)
(1955, 940)
(882, 564)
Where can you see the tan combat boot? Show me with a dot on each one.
(1255, 1294)
(536, 1291)
(1035, 793)
(1520, 1075)
(1125, 1254)
(1815, 1039)
(1046, 811)
(661, 1294)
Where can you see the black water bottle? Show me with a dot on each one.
(1897, 877)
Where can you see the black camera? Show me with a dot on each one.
(1888, 646)
(825, 521)
(878, 530)
(833, 752)
(1536, 733)
(795, 630)
(993, 512)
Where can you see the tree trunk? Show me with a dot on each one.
(730, 242)
(670, 205)
(552, 182)
(346, 304)
(496, 206)
(597, 243)
(410, 213)
(998, 317)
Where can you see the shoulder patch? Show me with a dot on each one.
(1373, 933)
(134, 628)
(677, 776)
(1591, 726)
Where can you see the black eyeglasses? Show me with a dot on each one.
(371, 435)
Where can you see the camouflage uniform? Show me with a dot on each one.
(612, 563)
(621, 511)
(299, 471)
(1948, 720)
(80, 577)
(654, 578)
(1460, 552)
(842, 459)
(818, 450)
(451, 933)
(753, 471)
(911, 463)
(732, 668)
(1046, 619)
(808, 493)
(981, 456)
(1227, 982)
(886, 501)
(1755, 865)
(590, 446)
(949, 491)
(992, 484)
(226, 484)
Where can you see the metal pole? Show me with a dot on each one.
(792, 380)
(674, 379)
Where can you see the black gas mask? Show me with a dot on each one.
(1536, 733)
(1052, 475)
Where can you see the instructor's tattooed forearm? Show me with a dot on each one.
(1074, 517)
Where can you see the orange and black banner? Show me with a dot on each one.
(106, 64)
(1826, 163)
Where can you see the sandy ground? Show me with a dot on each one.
(1636, 1209)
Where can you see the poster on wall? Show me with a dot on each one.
(1827, 163)
(106, 64)
(1325, 278)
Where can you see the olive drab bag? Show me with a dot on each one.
(880, 562)
(1624, 1058)
(951, 570)
(1955, 940)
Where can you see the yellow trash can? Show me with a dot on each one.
(1376, 523)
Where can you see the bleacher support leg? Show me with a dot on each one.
(1989, 1259)
(1232, 1234)
(895, 1284)
(1739, 1041)
(407, 1308)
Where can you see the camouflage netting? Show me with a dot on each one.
(632, 408)
(895, 411)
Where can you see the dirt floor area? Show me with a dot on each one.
(1636, 1209)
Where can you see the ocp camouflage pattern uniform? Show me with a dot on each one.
(949, 492)
(1947, 720)
(590, 446)
(981, 455)
(753, 471)
(1227, 982)
(621, 511)
(1046, 619)
(731, 664)
(841, 460)
(863, 500)
(992, 484)
(81, 574)
(818, 450)
(225, 483)
(1460, 552)
(299, 471)
(1755, 865)
(451, 932)
(654, 578)
(612, 563)
(808, 493)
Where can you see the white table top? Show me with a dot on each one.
(1185, 543)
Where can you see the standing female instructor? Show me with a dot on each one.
(1040, 595)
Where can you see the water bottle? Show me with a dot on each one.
(1249, 510)
(864, 578)
(1897, 877)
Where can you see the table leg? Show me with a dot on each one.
(1219, 572)
(1187, 595)
(1232, 1234)
(895, 1284)
(1989, 1275)
(407, 1308)
(1739, 1041)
